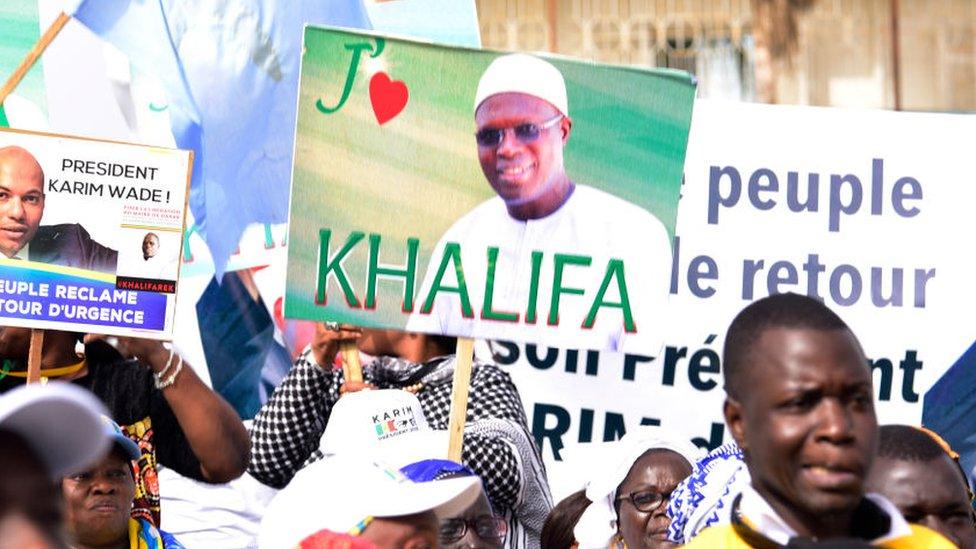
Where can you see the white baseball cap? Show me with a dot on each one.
(62, 423)
(522, 73)
(387, 424)
(340, 492)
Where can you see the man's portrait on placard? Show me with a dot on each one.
(149, 254)
(523, 121)
(22, 234)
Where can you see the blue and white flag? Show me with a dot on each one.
(950, 409)
(452, 22)
(139, 29)
(230, 71)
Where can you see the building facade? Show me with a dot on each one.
(894, 54)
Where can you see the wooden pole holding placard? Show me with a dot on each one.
(33, 55)
(459, 397)
(352, 369)
(34, 356)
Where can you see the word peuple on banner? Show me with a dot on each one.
(92, 234)
(414, 207)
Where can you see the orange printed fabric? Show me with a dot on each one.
(146, 503)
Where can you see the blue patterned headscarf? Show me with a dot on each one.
(705, 498)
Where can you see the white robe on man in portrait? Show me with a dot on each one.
(591, 223)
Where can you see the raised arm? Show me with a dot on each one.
(209, 424)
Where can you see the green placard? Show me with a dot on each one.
(388, 169)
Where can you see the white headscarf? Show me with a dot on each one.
(598, 524)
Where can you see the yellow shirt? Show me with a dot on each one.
(754, 523)
(725, 536)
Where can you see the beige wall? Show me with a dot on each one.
(844, 54)
(938, 48)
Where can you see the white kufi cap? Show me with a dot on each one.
(521, 73)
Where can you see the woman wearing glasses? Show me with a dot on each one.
(474, 527)
(631, 492)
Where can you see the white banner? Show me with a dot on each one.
(91, 234)
(865, 209)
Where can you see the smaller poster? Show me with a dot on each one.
(91, 234)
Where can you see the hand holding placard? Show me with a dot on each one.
(330, 338)
(150, 352)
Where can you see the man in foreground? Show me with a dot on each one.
(800, 406)
(922, 479)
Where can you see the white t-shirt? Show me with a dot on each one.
(591, 223)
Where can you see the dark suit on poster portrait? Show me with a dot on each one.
(70, 245)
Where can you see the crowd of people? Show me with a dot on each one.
(362, 463)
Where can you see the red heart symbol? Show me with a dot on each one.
(388, 97)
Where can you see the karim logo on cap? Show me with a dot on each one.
(395, 422)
